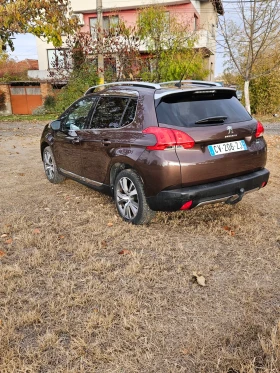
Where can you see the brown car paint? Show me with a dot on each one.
(97, 155)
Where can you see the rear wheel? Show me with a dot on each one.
(130, 198)
(50, 167)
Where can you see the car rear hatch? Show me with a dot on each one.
(224, 134)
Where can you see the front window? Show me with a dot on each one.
(75, 118)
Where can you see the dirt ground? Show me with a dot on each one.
(83, 291)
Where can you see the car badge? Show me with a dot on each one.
(230, 131)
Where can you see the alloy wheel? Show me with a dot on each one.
(49, 165)
(127, 198)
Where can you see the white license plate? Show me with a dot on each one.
(227, 147)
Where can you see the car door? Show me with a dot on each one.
(67, 149)
(104, 135)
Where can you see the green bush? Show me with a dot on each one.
(49, 103)
(265, 94)
(80, 80)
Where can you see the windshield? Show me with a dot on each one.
(192, 109)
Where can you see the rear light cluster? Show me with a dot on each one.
(167, 138)
(186, 206)
(260, 130)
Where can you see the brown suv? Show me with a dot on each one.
(158, 147)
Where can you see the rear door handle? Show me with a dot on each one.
(106, 142)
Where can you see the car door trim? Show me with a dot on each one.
(81, 178)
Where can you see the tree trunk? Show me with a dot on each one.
(247, 96)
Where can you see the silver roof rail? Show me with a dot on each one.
(131, 83)
(198, 82)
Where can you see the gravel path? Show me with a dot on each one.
(272, 128)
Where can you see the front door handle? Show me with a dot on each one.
(106, 142)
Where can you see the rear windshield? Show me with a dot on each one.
(186, 110)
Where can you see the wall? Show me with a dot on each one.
(46, 90)
(209, 20)
(185, 12)
(4, 87)
(85, 6)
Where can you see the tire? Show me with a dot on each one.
(50, 167)
(130, 198)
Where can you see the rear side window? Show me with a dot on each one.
(188, 109)
(109, 112)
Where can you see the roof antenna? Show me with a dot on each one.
(179, 84)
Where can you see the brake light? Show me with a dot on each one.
(260, 130)
(167, 138)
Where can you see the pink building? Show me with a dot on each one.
(202, 16)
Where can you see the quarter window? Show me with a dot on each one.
(130, 112)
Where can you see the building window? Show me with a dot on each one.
(58, 58)
(195, 27)
(110, 25)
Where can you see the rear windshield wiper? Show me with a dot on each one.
(211, 120)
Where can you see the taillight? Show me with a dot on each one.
(167, 138)
(260, 130)
(186, 206)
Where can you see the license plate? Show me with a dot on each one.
(227, 147)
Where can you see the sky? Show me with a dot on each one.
(25, 47)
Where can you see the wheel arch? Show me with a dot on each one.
(43, 146)
(117, 168)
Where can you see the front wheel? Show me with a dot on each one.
(50, 167)
(130, 198)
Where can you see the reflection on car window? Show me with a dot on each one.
(130, 112)
(75, 117)
(186, 110)
(109, 112)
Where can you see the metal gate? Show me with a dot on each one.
(25, 99)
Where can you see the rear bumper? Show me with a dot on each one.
(220, 191)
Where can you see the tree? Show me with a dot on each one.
(73, 67)
(120, 48)
(250, 41)
(170, 43)
(11, 69)
(45, 18)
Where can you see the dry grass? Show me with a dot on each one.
(69, 302)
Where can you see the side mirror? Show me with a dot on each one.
(55, 125)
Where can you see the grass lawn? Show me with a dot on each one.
(81, 291)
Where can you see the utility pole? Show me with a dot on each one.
(100, 60)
